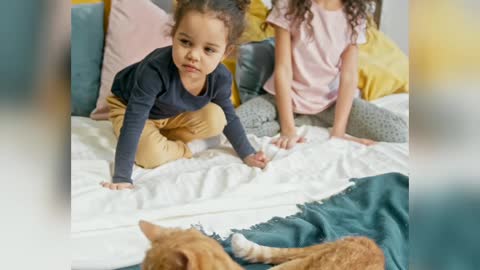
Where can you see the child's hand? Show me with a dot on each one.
(258, 159)
(366, 142)
(287, 141)
(116, 186)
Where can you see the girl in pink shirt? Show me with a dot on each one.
(316, 74)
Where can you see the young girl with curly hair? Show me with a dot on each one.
(316, 74)
(176, 101)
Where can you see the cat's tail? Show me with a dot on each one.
(252, 252)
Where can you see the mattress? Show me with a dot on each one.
(213, 190)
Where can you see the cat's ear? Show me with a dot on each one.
(186, 260)
(151, 231)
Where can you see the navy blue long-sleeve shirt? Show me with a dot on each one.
(152, 89)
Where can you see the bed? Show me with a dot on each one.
(214, 190)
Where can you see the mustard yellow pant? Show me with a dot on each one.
(165, 140)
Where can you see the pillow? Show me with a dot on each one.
(256, 16)
(77, 2)
(383, 67)
(255, 64)
(135, 28)
(86, 52)
(230, 65)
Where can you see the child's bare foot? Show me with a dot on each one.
(116, 186)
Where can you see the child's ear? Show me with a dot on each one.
(228, 51)
(151, 231)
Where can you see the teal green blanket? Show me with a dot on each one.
(376, 207)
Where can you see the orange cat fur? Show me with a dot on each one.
(352, 253)
(176, 249)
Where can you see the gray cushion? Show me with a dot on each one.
(255, 64)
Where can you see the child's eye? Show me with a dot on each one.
(209, 50)
(185, 42)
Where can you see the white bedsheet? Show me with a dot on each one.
(214, 189)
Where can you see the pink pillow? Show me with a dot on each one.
(135, 28)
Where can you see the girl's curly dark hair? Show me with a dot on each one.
(300, 11)
(231, 12)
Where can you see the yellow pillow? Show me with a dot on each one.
(383, 67)
(230, 64)
(256, 16)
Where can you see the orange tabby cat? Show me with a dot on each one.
(176, 249)
(352, 253)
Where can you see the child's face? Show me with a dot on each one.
(199, 44)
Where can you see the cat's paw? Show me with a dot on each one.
(240, 245)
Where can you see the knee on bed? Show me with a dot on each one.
(150, 159)
(152, 156)
(215, 120)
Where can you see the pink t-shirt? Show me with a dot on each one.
(315, 60)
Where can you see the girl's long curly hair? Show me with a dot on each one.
(300, 10)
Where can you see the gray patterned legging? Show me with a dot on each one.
(366, 120)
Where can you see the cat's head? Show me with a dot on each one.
(176, 249)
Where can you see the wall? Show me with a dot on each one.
(394, 22)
